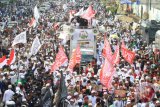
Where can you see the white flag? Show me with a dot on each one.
(36, 13)
(35, 46)
(80, 12)
(21, 38)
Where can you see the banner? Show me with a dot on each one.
(36, 45)
(12, 57)
(116, 56)
(89, 13)
(36, 13)
(107, 52)
(21, 38)
(61, 58)
(127, 54)
(75, 58)
(106, 74)
(3, 61)
(80, 12)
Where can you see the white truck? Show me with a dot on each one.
(87, 40)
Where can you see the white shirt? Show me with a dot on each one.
(93, 100)
(8, 95)
(118, 103)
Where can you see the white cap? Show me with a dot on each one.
(9, 86)
(93, 91)
(76, 93)
(69, 97)
(48, 84)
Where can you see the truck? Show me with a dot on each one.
(86, 38)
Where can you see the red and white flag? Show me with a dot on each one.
(75, 58)
(61, 58)
(127, 54)
(107, 52)
(3, 61)
(12, 57)
(106, 74)
(116, 56)
(89, 13)
(32, 23)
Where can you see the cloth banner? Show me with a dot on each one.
(75, 58)
(107, 73)
(36, 45)
(127, 54)
(61, 58)
(36, 13)
(116, 56)
(3, 61)
(107, 52)
(12, 57)
(89, 13)
(21, 38)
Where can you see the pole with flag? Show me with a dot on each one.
(62, 93)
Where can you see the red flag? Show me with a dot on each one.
(3, 61)
(89, 14)
(61, 58)
(32, 23)
(75, 58)
(116, 56)
(127, 54)
(12, 57)
(107, 52)
(78, 54)
(106, 74)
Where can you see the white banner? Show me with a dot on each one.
(35, 46)
(81, 12)
(36, 13)
(21, 38)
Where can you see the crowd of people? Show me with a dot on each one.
(28, 82)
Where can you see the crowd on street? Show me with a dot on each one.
(29, 82)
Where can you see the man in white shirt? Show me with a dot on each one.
(93, 98)
(8, 94)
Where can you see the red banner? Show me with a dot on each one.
(61, 58)
(107, 73)
(11, 58)
(75, 58)
(116, 56)
(127, 54)
(89, 14)
(107, 52)
(3, 61)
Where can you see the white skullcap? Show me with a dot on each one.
(147, 77)
(93, 91)
(105, 93)
(76, 93)
(48, 84)
(83, 74)
(9, 86)
(90, 104)
(69, 97)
